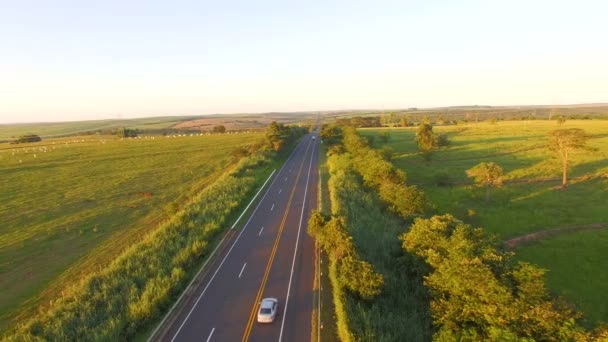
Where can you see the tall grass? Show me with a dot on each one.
(132, 291)
(401, 311)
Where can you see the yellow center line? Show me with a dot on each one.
(252, 315)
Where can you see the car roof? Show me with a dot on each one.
(268, 302)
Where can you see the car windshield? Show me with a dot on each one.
(265, 311)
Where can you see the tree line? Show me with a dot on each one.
(478, 292)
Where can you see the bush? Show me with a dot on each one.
(27, 138)
(504, 300)
(278, 135)
(219, 129)
(380, 174)
(443, 178)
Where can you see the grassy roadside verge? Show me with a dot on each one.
(401, 311)
(261, 175)
(328, 329)
(124, 298)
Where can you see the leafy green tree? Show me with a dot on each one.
(387, 152)
(403, 122)
(479, 293)
(330, 134)
(219, 129)
(379, 173)
(274, 135)
(565, 142)
(359, 277)
(316, 222)
(27, 138)
(425, 138)
(126, 132)
(488, 174)
(385, 137)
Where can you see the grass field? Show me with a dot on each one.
(70, 205)
(153, 124)
(518, 208)
(574, 259)
(51, 129)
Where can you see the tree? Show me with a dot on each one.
(488, 175)
(126, 132)
(426, 140)
(479, 293)
(219, 129)
(385, 137)
(274, 135)
(403, 121)
(564, 142)
(27, 138)
(359, 277)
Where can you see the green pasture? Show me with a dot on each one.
(530, 201)
(70, 205)
(50, 129)
(576, 264)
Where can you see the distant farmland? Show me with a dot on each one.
(58, 129)
(530, 201)
(69, 205)
(153, 125)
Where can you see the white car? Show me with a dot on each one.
(268, 310)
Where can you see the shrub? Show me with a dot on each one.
(443, 178)
(219, 129)
(27, 138)
(502, 299)
(380, 174)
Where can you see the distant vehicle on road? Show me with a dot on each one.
(313, 137)
(268, 310)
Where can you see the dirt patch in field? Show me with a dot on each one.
(547, 233)
(231, 124)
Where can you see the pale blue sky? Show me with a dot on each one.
(68, 60)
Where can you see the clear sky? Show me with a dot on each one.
(68, 60)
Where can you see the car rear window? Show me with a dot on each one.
(265, 311)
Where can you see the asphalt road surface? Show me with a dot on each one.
(270, 256)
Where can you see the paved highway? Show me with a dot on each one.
(270, 256)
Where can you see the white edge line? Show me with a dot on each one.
(253, 199)
(210, 334)
(319, 270)
(195, 277)
(295, 253)
(220, 266)
(242, 269)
